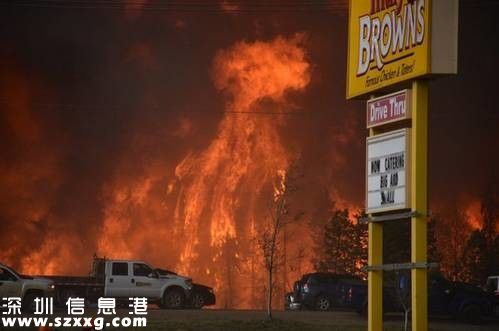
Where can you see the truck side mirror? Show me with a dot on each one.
(153, 275)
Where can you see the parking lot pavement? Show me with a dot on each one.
(336, 320)
(250, 320)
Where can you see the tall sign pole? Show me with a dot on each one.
(419, 181)
(394, 48)
(375, 279)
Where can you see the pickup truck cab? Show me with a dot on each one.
(13, 284)
(126, 279)
(123, 279)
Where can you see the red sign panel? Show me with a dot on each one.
(388, 108)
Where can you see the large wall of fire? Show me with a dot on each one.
(159, 136)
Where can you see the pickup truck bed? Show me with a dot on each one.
(90, 288)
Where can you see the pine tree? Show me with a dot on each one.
(482, 248)
(344, 245)
(453, 234)
(472, 266)
(397, 241)
(433, 254)
(360, 245)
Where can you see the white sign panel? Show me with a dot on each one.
(388, 171)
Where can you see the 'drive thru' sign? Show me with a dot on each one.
(388, 108)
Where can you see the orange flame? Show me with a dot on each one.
(215, 198)
(473, 214)
(33, 160)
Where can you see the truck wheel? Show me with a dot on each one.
(197, 301)
(63, 295)
(471, 314)
(173, 299)
(28, 303)
(323, 303)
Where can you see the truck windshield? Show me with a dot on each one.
(140, 269)
(7, 271)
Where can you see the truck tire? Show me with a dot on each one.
(471, 314)
(173, 299)
(197, 301)
(64, 294)
(28, 302)
(323, 303)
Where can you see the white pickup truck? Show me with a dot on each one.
(123, 279)
(27, 288)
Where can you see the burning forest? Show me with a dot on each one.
(216, 201)
(163, 136)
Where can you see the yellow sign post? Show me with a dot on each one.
(419, 204)
(394, 45)
(375, 279)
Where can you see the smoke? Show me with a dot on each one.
(229, 7)
(31, 177)
(133, 8)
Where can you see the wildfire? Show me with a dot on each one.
(91, 169)
(30, 160)
(217, 198)
(220, 186)
(473, 214)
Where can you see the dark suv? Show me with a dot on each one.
(326, 291)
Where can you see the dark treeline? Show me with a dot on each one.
(465, 252)
(342, 247)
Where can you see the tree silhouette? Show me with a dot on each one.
(344, 245)
(270, 239)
